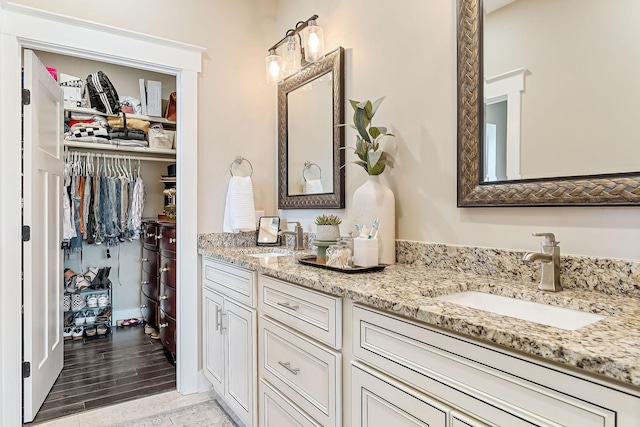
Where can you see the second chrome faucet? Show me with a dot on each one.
(549, 257)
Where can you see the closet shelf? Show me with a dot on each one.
(124, 149)
(132, 116)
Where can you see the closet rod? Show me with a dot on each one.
(123, 156)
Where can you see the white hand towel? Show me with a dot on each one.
(313, 186)
(239, 212)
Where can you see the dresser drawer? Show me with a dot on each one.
(462, 373)
(149, 235)
(149, 285)
(168, 241)
(235, 282)
(275, 410)
(305, 372)
(149, 261)
(167, 271)
(149, 310)
(313, 313)
(167, 328)
(167, 299)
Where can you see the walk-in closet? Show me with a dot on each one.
(119, 238)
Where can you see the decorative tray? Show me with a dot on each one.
(311, 260)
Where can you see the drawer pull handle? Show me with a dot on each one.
(162, 270)
(144, 282)
(219, 314)
(163, 297)
(145, 259)
(172, 240)
(158, 236)
(289, 306)
(163, 325)
(287, 366)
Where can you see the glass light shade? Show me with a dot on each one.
(314, 43)
(291, 56)
(273, 63)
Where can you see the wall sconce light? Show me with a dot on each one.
(301, 45)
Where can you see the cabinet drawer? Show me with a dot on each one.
(149, 285)
(316, 314)
(149, 261)
(168, 331)
(167, 271)
(461, 420)
(168, 240)
(149, 235)
(461, 373)
(305, 372)
(149, 310)
(275, 410)
(379, 401)
(167, 300)
(235, 282)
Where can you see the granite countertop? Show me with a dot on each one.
(609, 347)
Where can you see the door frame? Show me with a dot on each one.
(25, 27)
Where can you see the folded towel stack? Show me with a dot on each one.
(239, 211)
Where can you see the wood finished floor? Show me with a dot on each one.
(124, 366)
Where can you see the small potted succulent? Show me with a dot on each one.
(327, 228)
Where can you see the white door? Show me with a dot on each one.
(213, 334)
(42, 193)
(241, 356)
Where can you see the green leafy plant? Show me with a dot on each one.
(328, 220)
(372, 158)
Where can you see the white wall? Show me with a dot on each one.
(405, 49)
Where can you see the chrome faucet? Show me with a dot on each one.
(298, 233)
(549, 258)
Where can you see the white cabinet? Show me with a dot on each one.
(299, 362)
(379, 401)
(492, 385)
(229, 333)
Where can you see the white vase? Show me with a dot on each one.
(375, 200)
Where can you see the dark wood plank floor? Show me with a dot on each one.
(124, 366)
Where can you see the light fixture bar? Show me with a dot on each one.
(299, 27)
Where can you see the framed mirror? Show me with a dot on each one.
(488, 176)
(310, 145)
(268, 228)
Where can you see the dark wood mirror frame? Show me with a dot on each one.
(603, 190)
(333, 62)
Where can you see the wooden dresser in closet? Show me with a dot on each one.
(158, 290)
(167, 280)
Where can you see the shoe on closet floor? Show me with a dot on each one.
(103, 300)
(77, 303)
(155, 335)
(80, 318)
(104, 315)
(67, 333)
(89, 317)
(92, 301)
(66, 303)
(77, 333)
(148, 329)
(102, 331)
(91, 274)
(90, 332)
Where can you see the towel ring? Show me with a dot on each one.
(238, 160)
(307, 166)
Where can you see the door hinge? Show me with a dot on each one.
(26, 233)
(26, 97)
(26, 369)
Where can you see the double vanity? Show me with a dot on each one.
(286, 344)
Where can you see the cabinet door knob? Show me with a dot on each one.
(288, 305)
(172, 240)
(163, 325)
(144, 282)
(287, 366)
(158, 236)
(164, 269)
(163, 297)
(145, 259)
(143, 306)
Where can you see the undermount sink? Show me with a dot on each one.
(267, 254)
(549, 315)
